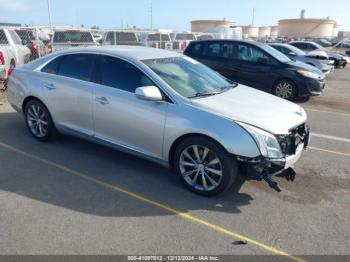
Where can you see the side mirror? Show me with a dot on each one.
(263, 60)
(149, 93)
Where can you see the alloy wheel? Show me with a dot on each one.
(284, 90)
(37, 121)
(201, 168)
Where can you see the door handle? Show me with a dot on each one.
(50, 86)
(102, 100)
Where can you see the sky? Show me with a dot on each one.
(175, 14)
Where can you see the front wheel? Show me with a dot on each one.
(204, 166)
(285, 88)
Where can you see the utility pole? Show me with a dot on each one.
(253, 18)
(151, 15)
(49, 12)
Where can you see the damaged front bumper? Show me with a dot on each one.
(262, 168)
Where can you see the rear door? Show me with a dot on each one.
(68, 89)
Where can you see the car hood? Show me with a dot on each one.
(304, 66)
(336, 56)
(254, 107)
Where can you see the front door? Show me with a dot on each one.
(119, 116)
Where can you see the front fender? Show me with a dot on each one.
(186, 120)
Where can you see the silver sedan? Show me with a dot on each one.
(163, 106)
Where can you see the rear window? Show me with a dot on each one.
(156, 37)
(3, 39)
(25, 35)
(73, 37)
(195, 49)
(78, 66)
(184, 37)
(121, 37)
(52, 67)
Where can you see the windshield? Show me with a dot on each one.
(188, 77)
(276, 54)
(295, 50)
(73, 36)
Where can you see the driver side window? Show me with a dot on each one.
(250, 53)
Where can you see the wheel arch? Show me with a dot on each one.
(178, 141)
(30, 98)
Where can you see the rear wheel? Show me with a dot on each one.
(204, 166)
(286, 89)
(39, 121)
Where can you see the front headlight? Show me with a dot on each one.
(267, 143)
(308, 74)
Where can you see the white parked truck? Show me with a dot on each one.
(12, 52)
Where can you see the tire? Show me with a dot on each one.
(209, 176)
(286, 89)
(39, 121)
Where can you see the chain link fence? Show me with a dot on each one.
(19, 45)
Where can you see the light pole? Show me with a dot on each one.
(49, 12)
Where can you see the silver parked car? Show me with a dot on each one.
(163, 106)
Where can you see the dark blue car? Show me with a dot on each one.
(260, 66)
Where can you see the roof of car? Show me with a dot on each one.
(135, 52)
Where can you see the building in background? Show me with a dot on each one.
(202, 25)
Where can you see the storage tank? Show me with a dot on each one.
(264, 31)
(274, 31)
(301, 28)
(222, 32)
(201, 25)
(335, 30)
(250, 31)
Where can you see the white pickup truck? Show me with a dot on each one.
(12, 52)
(62, 40)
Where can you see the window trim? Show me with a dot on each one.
(158, 84)
(97, 79)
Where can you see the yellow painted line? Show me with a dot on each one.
(327, 112)
(179, 213)
(328, 151)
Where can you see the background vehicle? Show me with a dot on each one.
(12, 52)
(131, 98)
(36, 46)
(121, 38)
(62, 40)
(159, 40)
(181, 40)
(260, 66)
(320, 52)
(294, 53)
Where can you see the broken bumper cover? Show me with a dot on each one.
(262, 168)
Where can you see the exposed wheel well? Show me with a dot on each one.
(182, 138)
(28, 99)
